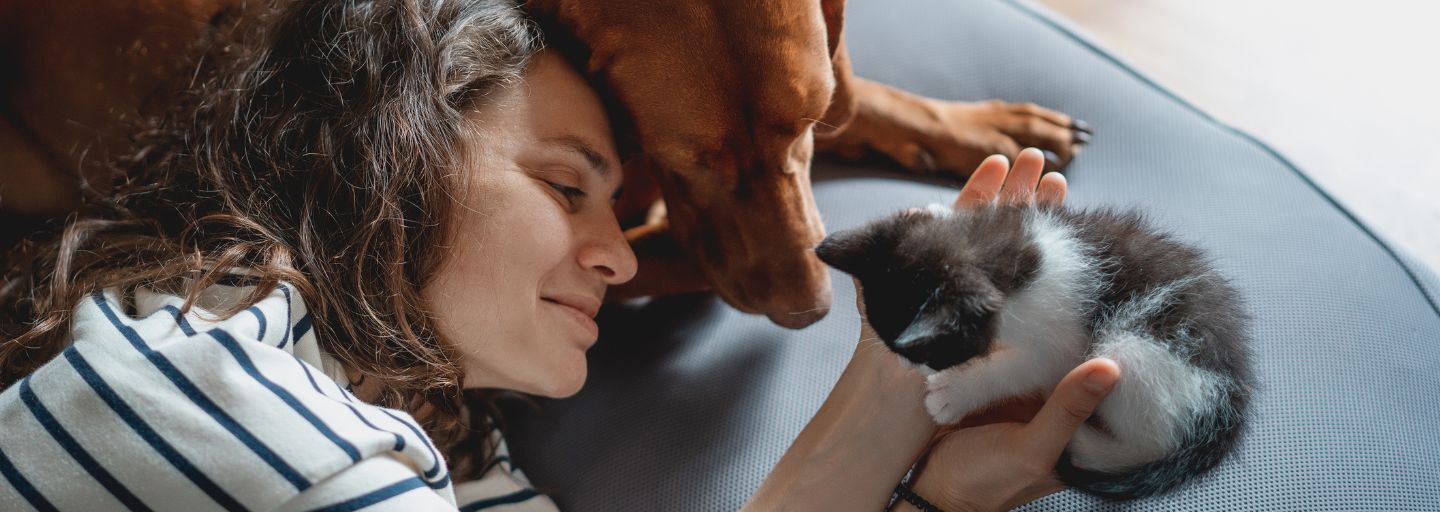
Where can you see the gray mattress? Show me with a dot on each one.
(690, 403)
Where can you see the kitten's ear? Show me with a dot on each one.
(851, 251)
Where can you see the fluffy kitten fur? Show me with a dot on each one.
(1004, 301)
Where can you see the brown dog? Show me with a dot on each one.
(725, 104)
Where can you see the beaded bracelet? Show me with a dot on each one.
(904, 492)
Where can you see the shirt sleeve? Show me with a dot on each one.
(379, 483)
(162, 411)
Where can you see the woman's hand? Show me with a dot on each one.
(1020, 185)
(1000, 466)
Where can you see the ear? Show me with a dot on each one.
(842, 101)
(850, 251)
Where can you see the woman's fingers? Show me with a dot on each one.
(984, 184)
(1020, 184)
(1072, 402)
(1051, 191)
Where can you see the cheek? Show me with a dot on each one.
(486, 296)
(510, 240)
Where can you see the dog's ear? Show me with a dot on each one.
(842, 101)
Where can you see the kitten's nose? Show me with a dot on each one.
(916, 335)
(914, 344)
(938, 349)
(911, 341)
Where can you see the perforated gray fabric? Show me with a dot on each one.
(689, 403)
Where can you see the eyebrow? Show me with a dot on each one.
(578, 146)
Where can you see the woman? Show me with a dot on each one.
(374, 206)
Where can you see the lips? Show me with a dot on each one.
(582, 311)
(589, 306)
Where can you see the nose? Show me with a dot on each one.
(800, 318)
(608, 253)
(936, 350)
(800, 299)
(926, 342)
(920, 350)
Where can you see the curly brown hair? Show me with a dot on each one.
(320, 152)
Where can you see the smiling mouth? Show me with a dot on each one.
(581, 317)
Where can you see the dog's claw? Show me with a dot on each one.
(1080, 126)
(1052, 160)
(925, 162)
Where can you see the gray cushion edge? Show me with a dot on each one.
(1424, 279)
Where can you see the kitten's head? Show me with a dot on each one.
(935, 281)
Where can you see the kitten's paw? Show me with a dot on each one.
(943, 410)
(948, 398)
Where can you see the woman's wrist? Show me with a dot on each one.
(930, 490)
(863, 439)
(907, 499)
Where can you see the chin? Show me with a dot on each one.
(566, 382)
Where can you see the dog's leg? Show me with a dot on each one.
(934, 136)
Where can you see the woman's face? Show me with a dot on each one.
(535, 241)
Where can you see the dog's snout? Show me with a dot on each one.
(793, 293)
(800, 318)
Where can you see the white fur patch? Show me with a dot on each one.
(1160, 394)
(1041, 334)
(940, 210)
(1158, 397)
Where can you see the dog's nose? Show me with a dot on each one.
(799, 319)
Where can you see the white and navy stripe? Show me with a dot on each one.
(149, 409)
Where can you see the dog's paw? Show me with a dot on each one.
(928, 136)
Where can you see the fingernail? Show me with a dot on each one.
(1081, 137)
(1080, 125)
(1098, 383)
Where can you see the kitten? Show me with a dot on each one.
(1003, 301)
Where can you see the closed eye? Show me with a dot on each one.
(572, 194)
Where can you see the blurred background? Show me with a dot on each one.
(1347, 90)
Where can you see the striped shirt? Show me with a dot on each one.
(148, 409)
